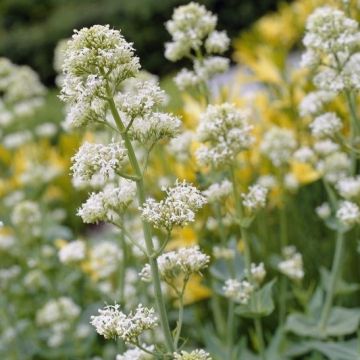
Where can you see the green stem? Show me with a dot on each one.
(230, 330)
(239, 215)
(283, 281)
(260, 337)
(335, 273)
(146, 227)
(181, 314)
(354, 126)
(218, 315)
(122, 271)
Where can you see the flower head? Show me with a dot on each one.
(193, 355)
(239, 291)
(348, 213)
(255, 199)
(177, 209)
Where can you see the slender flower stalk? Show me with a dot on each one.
(146, 227)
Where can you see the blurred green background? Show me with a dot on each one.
(30, 29)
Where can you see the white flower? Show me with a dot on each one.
(95, 159)
(304, 155)
(189, 26)
(56, 311)
(177, 209)
(328, 30)
(292, 266)
(278, 145)
(186, 78)
(144, 97)
(184, 261)
(323, 211)
(258, 272)
(26, 213)
(217, 42)
(73, 251)
(179, 146)
(193, 355)
(267, 181)
(108, 204)
(209, 67)
(291, 183)
(348, 213)
(313, 103)
(349, 188)
(239, 291)
(255, 199)
(226, 131)
(326, 125)
(104, 259)
(136, 354)
(155, 126)
(335, 166)
(112, 323)
(218, 191)
(326, 147)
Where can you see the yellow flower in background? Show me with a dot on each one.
(304, 173)
(181, 237)
(195, 290)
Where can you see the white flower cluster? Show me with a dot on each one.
(304, 154)
(193, 355)
(155, 126)
(255, 199)
(349, 188)
(72, 252)
(278, 145)
(98, 159)
(109, 204)
(177, 209)
(136, 354)
(292, 265)
(58, 315)
(218, 191)
(238, 291)
(267, 181)
(313, 103)
(225, 131)
(334, 167)
(326, 147)
(104, 259)
(27, 215)
(112, 323)
(192, 28)
(331, 43)
(21, 92)
(348, 213)
(184, 261)
(326, 125)
(179, 146)
(257, 272)
(139, 104)
(323, 211)
(96, 61)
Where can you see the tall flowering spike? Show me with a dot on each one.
(225, 131)
(96, 60)
(330, 31)
(177, 209)
(278, 145)
(98, 159)
(189, 26)
(192, 28)
(112, 323)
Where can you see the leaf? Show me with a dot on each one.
(341, 322)
(333, 350)
(342, 287)
(260, 303)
